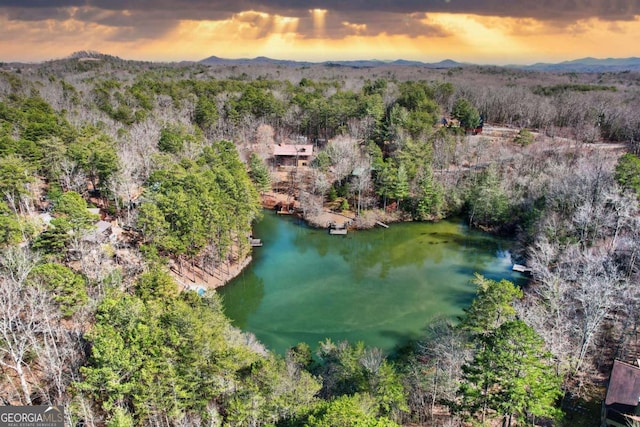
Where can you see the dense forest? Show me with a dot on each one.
(172, 159)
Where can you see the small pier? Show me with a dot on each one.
(255, 243)
(521, 268)
(338, 231)
(382, 224)
(285, 208)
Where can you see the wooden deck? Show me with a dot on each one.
(338, 231)
(521, 268)
(255, 243)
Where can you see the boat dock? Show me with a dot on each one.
(521, 268)
(338, 231)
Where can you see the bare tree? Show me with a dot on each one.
(344, 153)
(19, 321)
(576, 289)
(435, 374)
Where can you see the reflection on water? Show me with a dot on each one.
(379, 286)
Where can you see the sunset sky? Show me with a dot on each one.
(479, 31)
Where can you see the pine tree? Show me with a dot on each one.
(259, 173)
(401, 185)
(491, 306)
(510, 376)
(431, 197)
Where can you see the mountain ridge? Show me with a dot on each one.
(587, 64)
(583, 65)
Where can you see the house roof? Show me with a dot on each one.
(102, 226)
(624, 385)
(100, 234)
(293, 149)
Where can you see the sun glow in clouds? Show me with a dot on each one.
(474, 32)
(285, 24)
(313, 36)
(319, 21)
(355, 28)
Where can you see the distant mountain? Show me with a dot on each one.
(583, 65)
(588, 65)
(447, 63)
(364, 63)
(260, 60)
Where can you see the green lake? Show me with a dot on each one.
(380, 286)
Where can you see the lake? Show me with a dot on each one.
(380, 286)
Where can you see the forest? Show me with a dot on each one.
(119, 179)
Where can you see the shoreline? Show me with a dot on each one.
(193, 278)
(197, 280)
(323, 218)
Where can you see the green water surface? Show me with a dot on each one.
(380, 286)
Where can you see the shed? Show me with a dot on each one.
(623, 395)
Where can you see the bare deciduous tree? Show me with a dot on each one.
(19, 322)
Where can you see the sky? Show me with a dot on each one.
(479, 31)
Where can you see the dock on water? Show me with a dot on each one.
(382, 224)
(255, 242)
(521, 268)
(338, 231)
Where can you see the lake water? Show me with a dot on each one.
(380, 286)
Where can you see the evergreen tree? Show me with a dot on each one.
(348, 411)
(68, 288)
(492, 305)
(12, 227)
(206, 112)
(73, 208)
(487, 202)
(510, 376)
(171, 140)
(627, 173)
(385, 180)
(466, 113)
(430, 200)
(401, 185)
(524, 137)
(15, 176)
(259, 173)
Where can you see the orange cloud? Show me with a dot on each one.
(318, 36)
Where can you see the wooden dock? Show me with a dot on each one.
(255, 243)
(382, 224)
(338, 231)
(521, 268)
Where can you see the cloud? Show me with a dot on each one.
(137, 22)
(546, 10)
(315, 28)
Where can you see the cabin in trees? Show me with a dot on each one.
(292, 154)
(102, 232)
(621, 406)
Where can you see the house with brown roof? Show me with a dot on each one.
(292, 154)
(621, 404)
